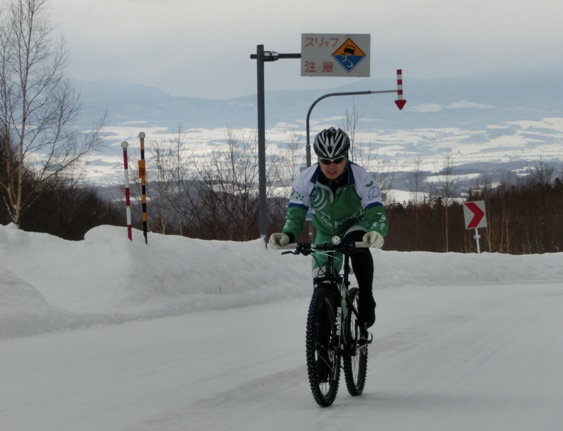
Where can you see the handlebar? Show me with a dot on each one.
(307, 248)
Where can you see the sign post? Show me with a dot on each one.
(475, 218)
(262, 56)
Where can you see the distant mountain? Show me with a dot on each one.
(472, 102)
(489, 124)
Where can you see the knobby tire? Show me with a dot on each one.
(323, 355)
(355, 361)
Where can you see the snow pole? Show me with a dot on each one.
(400, 102)
(143, 177)
(124, 145)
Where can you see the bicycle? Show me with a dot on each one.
(333, 332)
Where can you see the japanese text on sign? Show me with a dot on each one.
(335, 55)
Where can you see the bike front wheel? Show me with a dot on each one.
(323, 355)
(355, 362)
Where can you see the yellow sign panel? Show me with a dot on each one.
(349, 48)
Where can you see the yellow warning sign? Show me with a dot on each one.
(349, 55)
(349, 48)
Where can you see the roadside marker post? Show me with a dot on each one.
(475, 218)
(143, 177)
(124, 145)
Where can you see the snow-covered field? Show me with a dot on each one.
(383, 150)
(184, 334)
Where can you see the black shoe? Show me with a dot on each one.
(365, 336)
(367, 311)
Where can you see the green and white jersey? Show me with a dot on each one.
(357, 202)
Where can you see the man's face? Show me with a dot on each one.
(332, 168)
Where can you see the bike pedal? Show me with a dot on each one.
(366, 338)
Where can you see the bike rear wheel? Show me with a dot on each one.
(323, 355)
(355, 362)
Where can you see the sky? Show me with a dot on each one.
(185, 334)
(202, 49)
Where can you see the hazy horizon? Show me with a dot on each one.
(203, 49)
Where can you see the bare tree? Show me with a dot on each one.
(447, 189)
(364, 154)
(542, 177)
(415, 181)
(37, 107)
(228, 198)
(351, 125)
(283, 169)
(296, 156)
(175, 186)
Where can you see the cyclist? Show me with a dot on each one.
(346, 201)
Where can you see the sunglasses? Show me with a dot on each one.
(336, 160)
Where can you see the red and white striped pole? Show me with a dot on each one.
(400, 102)
(124, 145)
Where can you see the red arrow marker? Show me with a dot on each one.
(400, 102)
(477, 214)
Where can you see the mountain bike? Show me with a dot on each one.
(333, 332)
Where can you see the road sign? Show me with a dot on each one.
(474, 214)
(324, 54)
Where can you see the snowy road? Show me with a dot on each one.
(483, 357)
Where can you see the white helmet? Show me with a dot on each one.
(331, 143)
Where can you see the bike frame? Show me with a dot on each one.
(336, 282)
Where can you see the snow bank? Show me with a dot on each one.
(48, 284)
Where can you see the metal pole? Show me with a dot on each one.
(347, 93)
(261, 142)
(143, 177)
(477, 238)
(124, 145)
(261, 56)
